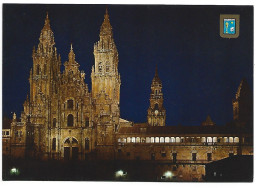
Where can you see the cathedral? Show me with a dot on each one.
(62, 120)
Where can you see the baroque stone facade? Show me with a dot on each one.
(63, 120)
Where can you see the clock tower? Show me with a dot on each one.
(156, 112)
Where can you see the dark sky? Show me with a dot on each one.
(200, 71)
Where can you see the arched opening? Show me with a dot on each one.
(70, 104)
(71, 149)
(38, 69)
(86, 122)
(54, 122)
(44, 69)
(87, 144)
(100, 67)
(107, 66)
(70, 120)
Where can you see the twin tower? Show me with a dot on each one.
(51, 89)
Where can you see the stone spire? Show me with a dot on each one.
(156, 79)
(106, 28)
(47, 23)
(71, 64)
(46, 45)
(71, 54)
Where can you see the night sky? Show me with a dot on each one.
(200, 71)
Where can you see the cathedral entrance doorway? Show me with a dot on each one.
(71, 149)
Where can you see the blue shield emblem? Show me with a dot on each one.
(230, 26)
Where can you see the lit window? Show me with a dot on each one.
(138, 140)
(162, 140)
(178, 140)
(119, 140)
(128, 139)
(152, 139)
(203, 139)
(172, 140)
(225, 139)
(167, 139)
(209, 139)
(148, 140)
(215, 139)
(231, 139)
(156, 139)
(124, 140)
(236, 139)
(133, 139)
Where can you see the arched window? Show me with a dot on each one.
(100, 67)
(162, 140)
(67, 141)
(38, 69)
(54, 122)
(167, 140)
(70, 104)
(74, 141)
(86, 122)
(148, 140)
(209, 139)
(157, 139)
(54, 144)
(44, 69)
(107, 67)
(138, 140)
(86, 143)
(70, 120)
(236, 139)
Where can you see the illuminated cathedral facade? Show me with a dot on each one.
(62, 120)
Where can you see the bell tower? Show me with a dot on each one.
(156, 112)
(46, 65)
(105, 85)
(105, 77)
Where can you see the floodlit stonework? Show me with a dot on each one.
(62, 120)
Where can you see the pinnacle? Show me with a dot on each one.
(47, 22)
(156, 76)
(106, 28)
